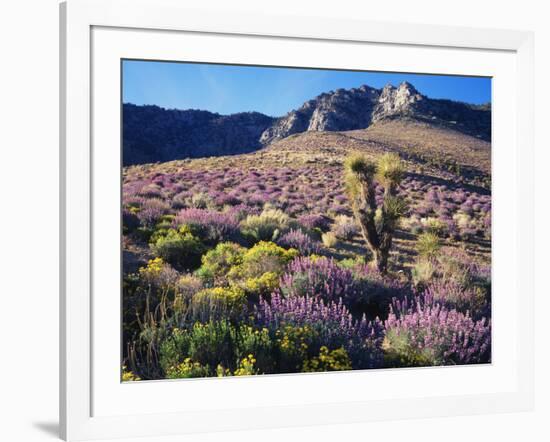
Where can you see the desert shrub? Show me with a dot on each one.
(295, 346)
(267, 226)
(314, 221)
(128, 376)
(174, 349)
(300, 241)
(306, 324)
(264, 257)
(258, 342)
(213, 344)
(434, 226)
(427, 334)
(454, 295)
(147, 306)
(261, 285)
(466, 224)
(237, 347)
(318, 278)
(352, 263)
(329, 239)
(423, 271)
(241, 211)
(456, 281)
(247, 366)
(428, 245)
(159, 232)
(212, 227)
(457, 265)
(183, 251)
(199, 200)
(217, 263)
(345, 227)
(453, 264)
(151, 190)
(158, 275)
(413, 224)
(181, 200)
(187, 285)
(151, 211)
(328, 360)
(227, 200)
(188, 369)
(217, 303)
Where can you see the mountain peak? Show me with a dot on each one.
(358, 108)
(405, 85)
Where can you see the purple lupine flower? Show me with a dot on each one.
(300, 241)
(333, 322)
(453, 295)
(318, 278)
(151, 211)
(214, 226)
(427, 333)
(314, 220)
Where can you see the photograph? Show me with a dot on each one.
(284, 220)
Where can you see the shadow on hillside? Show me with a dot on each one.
(451, 185)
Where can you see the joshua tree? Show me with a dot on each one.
(377, 222)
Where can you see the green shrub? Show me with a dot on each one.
(267, 226)
(329, 240)
(295, 346)
(174, 349)
(158, 275)
(434, 226)
(262, 258)
(129, 376)
(213, 344)
(253, 341)
(428, 245)
(333, 360)
(246, 367)
(188, 369)
(182, 250)
(352, 263)
(423, 272)
(398, 352)
(264, 284)
(217, 303)
(158, 233)
(217, 263)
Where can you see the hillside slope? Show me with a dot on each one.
(427, 149)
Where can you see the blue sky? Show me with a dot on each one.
(272, 91)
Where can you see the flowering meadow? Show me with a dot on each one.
(261, 264)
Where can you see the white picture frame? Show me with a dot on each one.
(85, 394)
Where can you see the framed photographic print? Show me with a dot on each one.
(312, 221)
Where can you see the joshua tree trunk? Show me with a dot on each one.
(377, 223)
(381, 261)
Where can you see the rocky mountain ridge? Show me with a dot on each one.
(358, 108)
(154, 134)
